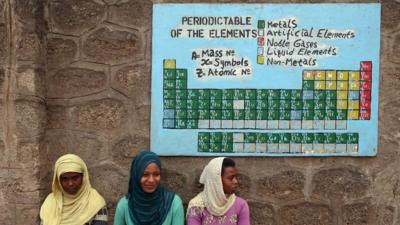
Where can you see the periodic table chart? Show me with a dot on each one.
(265, 79)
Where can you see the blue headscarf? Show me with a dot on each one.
(147, 208)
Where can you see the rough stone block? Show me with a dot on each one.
(27, 155)
(3, 42)
(287, 185)
(127, 148)
(107, 45)
(2, 79)
(28, 46)
(30, 81)
(27, 214)
(176, 182)
(135, 14)
(390, 15)
(261, 213)
(57, 117)
(306, 213)
(28, 10)
(99, 114)
(386, 215)
(75, 16)
(3, 159)
(60, 51)
(340, 183)
(356, 214)
(74, 82)
(31, 118)
(244, 186)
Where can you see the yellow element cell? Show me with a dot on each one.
(331, 75)
(353, 114)
(354, 85)
(341, 104)
(354, 104)
(342, 75)
(320, 75)
(169, 63)
(330, 85)
(355, 75)
(260, 59)
(308, 75)
(342, 85)
(342, 94)
(319, 85)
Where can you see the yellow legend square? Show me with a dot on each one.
(355, 75)
(342, 85)
(320, 75)
(331, 75)
(341, 104)
(169, 64)
(319, 85)
(342, 94)
(354, 85)
(354, 104)
(342, 75)
(260, 59)
(308, 75)
(330, 85)
(353, 114)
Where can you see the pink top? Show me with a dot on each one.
(238, 214)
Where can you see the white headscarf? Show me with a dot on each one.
(213, 196)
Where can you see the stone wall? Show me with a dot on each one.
(75, 77)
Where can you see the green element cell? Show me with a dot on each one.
(284, 114)
(330, 138)
(181, 114)
(330, 104)
(261, 24)
(238, 114)
(216, 137)
(192, 114)
(192, 124)
(262, 138)
(181, 94)
(273, 138)
(274, 94)
(273, 114)
(193, 104)
(215, 147)
(285, 94)
(331, 94)
(203, 147)
(216, 104)
(169, 93)
(227, 137)
(204, 137)
(169, 84)
(250, 137)
(262, 104)
(341, 114)
(227, 104)
(308, 85)
(169, 103)
(296, 104)
(204, 94)
(204, 114)
(308, 138)
(262, 94)
(296, 138)
(215, 94)
(319, 114)
(227, 147)
(250, 114)
(319, 95)
(239, 94)
(330, 115)
(193, 94)
(204, 104)
(215, 114)
(262, 114)
(181, 103)
(284, 138)
(227, 114)
(352, 138)
(181, 74)
(250, 104)
(251, 94)
(308, 104)
(308, 115)
(274, 104)
(181, 84)
(169, 74)
(319, 104)
(296, 94)
(319, 138)
(228, 94)
(180, 124)
(285, 104)
(341, 138)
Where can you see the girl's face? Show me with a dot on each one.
(229, 180)
(151, 178)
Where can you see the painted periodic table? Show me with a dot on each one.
(265, 79)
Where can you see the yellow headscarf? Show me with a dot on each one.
(61, 208)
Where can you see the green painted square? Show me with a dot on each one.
(192, 114)
(285, 104)
(341, 138)
(215, 94)
(285, 138)
(169, 84)
(169, 74)
(169, 103)
(204, 137)
(284, 114)
(261, 24)
(193, 104)
(330, 104)
(227, 137)
(204, 114)
(308, 84)
(273, 104)
(330, 114)
(251, 94)
(262, 94)
(308, 115)
(296, 138)
(250, 137)
(250, 104)
(227, 114)
(215, 147)
(319, 94)
(181, 103)
(239, 94)
(181, 74)
(262, 104)
(216, 137)
(319, 104)
(285, 94)
(319, 114)
(193, 94)
(308, 138)
(216, 103)
(204, 104)
(273, 114)
(238, 114)
(181, 84)
(330, 138)
(180, 123)
(181, 94)
(296, 94)
(227, 94)
(341, 114)
(274, 94)
(262, 137)
(181, 114)
(227, 104)
(273, 137)
(204, 93)
(319, 138)
(250, 114)
(192, 124)
(352, 138)
(227, 146)
(296, 104)
(169, 93)
(308, 104)
(331, 94)
(203, 147)
(215, 114)
(262, 114)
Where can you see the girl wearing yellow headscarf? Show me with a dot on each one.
(73, 201)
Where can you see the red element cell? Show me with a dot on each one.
(365, 94)
(366, 75)
(366, 66)
(365, 104)
(365, 115)
(261, 41)
(365, 85)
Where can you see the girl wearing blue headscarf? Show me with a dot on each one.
(147, 202)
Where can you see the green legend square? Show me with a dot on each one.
(261, 24)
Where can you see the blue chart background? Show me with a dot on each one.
(364, 19)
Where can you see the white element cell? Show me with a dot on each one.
(250, 124)
(215, 124)
(330, 148)
(352, 147)
(341, 124)
(307, 124)
(319, 148)
(295, 148)
(238, 124)
(273, 124)
(261, 147)
(249, 147)
(330, 125)
(295, 124)
(273, 147)
(307, 148)
(341, 148)
(227, 124)
(284, 148)
(237, 147)
(261, 124)
(238, 137)
(319, 124)
(284, 124)
(238, 104)
(204, 124)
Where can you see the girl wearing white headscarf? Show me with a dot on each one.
(217, 203)
(80, 204)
